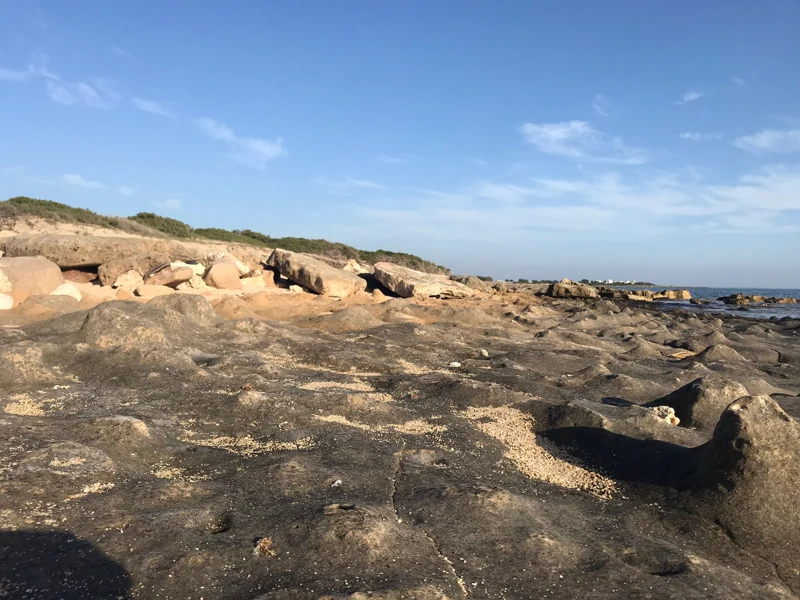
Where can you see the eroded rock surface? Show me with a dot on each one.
(301, 446)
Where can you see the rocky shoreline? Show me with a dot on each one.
(273, 426)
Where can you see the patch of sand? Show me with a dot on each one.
(247, 445)
(356, 386)
(25, 407)
(92, 488)
(414, 427)
(534, 457)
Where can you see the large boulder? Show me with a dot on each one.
(169, 276)
(747, 480)
(28, 276)
(701, 402)
(569, 289)
(315, 274)
(476, 283)
(407, 282)
(223, 274)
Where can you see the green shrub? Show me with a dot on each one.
(46, 209)
(223, 235)
(166, 225)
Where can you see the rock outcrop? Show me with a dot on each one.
(747, 480)
(569, 289)
(315, 274)
(701, 402)
(408, 283)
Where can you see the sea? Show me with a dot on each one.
(752, 311)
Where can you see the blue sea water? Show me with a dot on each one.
(752, 311)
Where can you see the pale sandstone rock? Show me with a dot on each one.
(129, 280)
(665, 413)
(408, 282)
(28, 276)
(153, 291)
(253, 283)
(568, 289)
(170, 276)
(223, 274)
(67, 289)
(315, 274)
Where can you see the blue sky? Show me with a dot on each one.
(618, 139)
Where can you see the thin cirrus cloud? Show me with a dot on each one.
(249, 151)
(579, 140)
(397, 160)
(694, 136)
(15, 75)
(76, 180)
(690, 96)
(770, 141)
(610, 203)
(601, 105)
(169, 204)
(341, 186)
(151, 107)
(80, 181)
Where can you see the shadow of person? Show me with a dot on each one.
(45, 565)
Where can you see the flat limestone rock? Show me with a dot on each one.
(407, 282)
(701, 402)
(316, 275)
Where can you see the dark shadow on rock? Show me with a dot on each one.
(625, 458)
(612, 401)
(56, 564)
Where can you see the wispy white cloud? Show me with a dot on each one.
(771, 141)
(15, 75)
(151, 107)
(694, 136)
(397, 160)
(690, 96)
(172, 204)
(121, 52)
(610, 203)
(125, 190)
(579, 140)
(737, 81)
(601, 105)
(94, 95)
(249, 151)
(348, 183)
(79, 181)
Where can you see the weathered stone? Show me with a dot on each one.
(356, 267)
(28, 276)
(316, 275)
(473, 282)
(129, 280)
(78, 276)
(142, 263)
(67, 289)
(701, 402)
(747, 480)
(194, 307)
(153, 291)
(571, 290)
(170, 276)
(223, 274)
(253, 283)
(407, 282)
